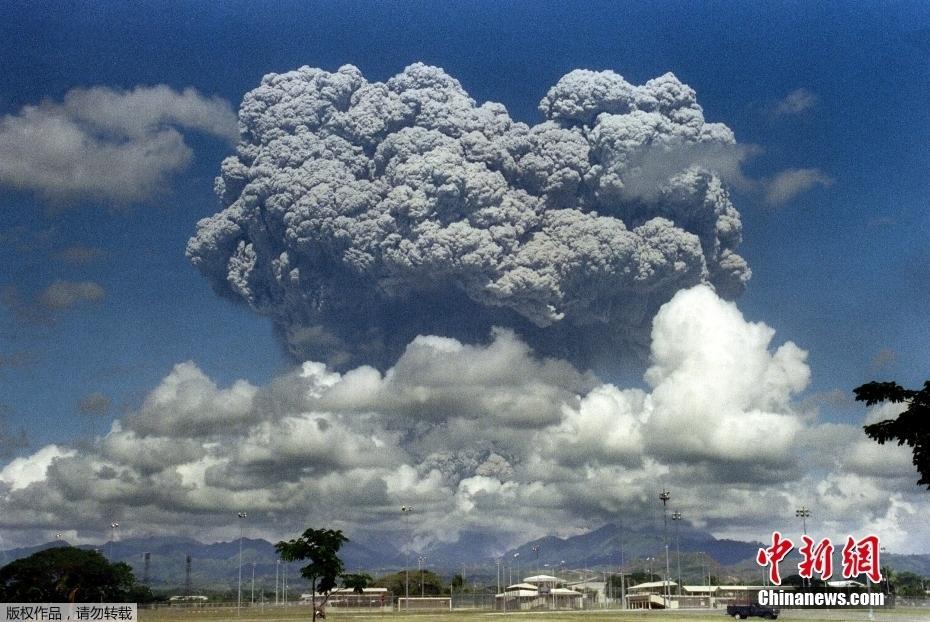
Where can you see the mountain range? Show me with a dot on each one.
(215, 566)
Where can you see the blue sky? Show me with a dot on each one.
(840, 268)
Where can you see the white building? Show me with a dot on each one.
(538, 592)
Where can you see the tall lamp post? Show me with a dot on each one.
(113, 527)
(676, 517)
(664, 496)
(405, 510)
(421, 563)
(536, 551)
(242, 516)
(803, 513)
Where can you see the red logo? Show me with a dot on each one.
(862, 557)
(817, 559)
(773, 555)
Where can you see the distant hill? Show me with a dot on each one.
(215, 566)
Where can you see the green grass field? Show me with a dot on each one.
(293, 614)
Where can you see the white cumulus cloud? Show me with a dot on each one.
(106, 143)
(482, 437)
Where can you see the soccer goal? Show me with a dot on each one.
(425, 603)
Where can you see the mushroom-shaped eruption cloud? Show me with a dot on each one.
(359, 214)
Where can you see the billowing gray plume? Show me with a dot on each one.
(357, 214)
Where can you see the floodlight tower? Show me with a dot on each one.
(188, 585)
(242, 516)
(113, 527)
(421, 563)
(536, 551)
(664, 496)
(803, 513)
(405, 512)
(676, 517)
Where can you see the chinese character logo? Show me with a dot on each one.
(772, 555)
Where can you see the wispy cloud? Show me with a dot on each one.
(80, 255)
(94, 404)
(106, 143)
(16, 360)
(796, 102)
(789, 183)
(59, 297)
(883, 358)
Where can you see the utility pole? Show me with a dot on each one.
(664, 496)
(242, 516)
(187, 575)
(803, 513)
(405, 511)
(676, 517)
(421, 562)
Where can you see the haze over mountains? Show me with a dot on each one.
(215, 566)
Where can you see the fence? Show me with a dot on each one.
(473, 601)
(360, 602)
(427, 603)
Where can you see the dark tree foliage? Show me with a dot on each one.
(912, 427)
(68, 574)
(396, 583)
(356, 582)
(908, 585)
(320, 546)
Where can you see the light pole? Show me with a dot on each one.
(242, 516)
(536, 551)
(499, 560)
(516, 557)
(277, 566)
(113, 528)
(676, 517)
(253, 584)
(664, 496)
(421, 563)
(405, 511)
(803, 513)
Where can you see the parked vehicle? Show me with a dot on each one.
(741, 612)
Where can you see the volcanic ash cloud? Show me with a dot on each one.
(359, 214)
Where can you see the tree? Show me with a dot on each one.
(357, 582)
(68, 574)
(911, 427)
(320, 546)
(432, 583)
(908, 585)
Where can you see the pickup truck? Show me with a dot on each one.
(741, 612)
